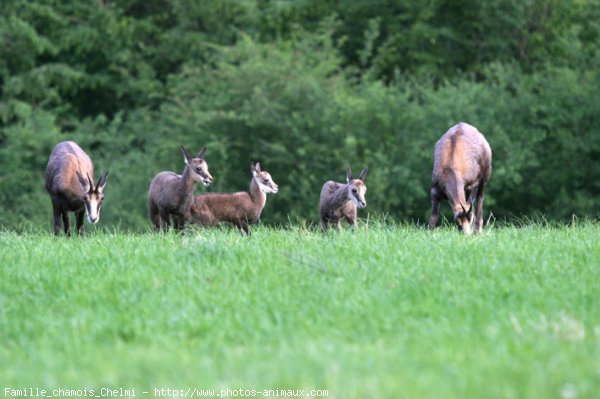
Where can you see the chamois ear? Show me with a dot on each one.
(255, 168)
(186, 155)
(201, 153)
(102, 182)
(348, 175)
(363, 174)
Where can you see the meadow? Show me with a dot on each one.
(386, 311)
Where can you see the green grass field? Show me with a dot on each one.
(383, 312)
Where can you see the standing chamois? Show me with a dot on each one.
(171, 195)
(340, 200)
(462, 167)
(240, 209)
(70, 182)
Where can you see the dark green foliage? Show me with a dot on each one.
(306, 88)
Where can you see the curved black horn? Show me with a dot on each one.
(186, 154)
(363, 174)
(91, 182)
(102, 181)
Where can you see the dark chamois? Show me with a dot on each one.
(462, 167)
(172, 195)
(70, 183)
(340, 200)
(240, 209)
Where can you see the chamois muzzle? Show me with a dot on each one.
(207, 180)
(464, 220)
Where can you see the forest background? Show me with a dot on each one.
(307, 88)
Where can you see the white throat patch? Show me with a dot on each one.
(354, 198)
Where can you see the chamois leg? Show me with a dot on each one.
(479, 211)
(323, 225)
(435, 207)
(57, 215)
(245, 229)
(338, 225)
(326, 224)
(165, 221)
(79, 221)
(178, 222)
(66, 222)
(351, 218)
(154, 215)
(242, 225)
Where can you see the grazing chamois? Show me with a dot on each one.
(172, 195)
(340, 200)
(70, 182)
(462, 167)
(240, 209)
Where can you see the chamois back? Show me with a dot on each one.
(462, 167)
(240, 209)
(69, 180)
(170, 195)
(340, 201)
(67, 161)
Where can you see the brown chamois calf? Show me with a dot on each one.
(70, 182)
(462, 167)
(240, 209)
(340, 200)
(171, 195)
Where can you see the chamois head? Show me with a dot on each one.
(198, 166)
(263, 179)
(464, 219)
(357, 188)
(94, 195)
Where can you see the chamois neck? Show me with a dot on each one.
(256, 194)
(186, 183)
(455, 191)
(340, 196)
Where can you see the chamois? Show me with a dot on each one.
(240, 209)
(462, 167)
(171, 195)
(340, 200)
(69, 180)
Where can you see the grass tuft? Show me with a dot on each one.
(386, 310)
